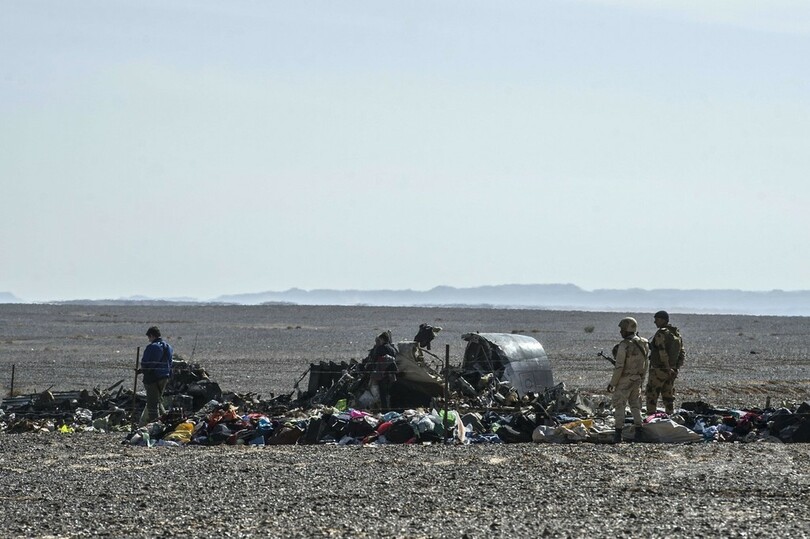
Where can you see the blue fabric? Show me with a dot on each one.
(486, 438)
(157, 361)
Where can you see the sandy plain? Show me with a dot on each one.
(91, 485)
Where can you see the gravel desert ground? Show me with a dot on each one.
(91, 485)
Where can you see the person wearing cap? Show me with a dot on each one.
(628, 376)
(156, 367)
(666, 358)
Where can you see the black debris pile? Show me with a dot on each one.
(67, 411)
(190, 387)
(104, 409)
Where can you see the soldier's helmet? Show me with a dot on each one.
(628, 324)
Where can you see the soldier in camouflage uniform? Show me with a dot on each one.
(628, 376)
(666, 359)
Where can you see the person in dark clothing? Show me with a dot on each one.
(156, 368)
(383, 346)
(426, 334)
(382, 367)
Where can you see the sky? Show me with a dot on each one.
(200, 148)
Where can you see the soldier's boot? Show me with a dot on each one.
(617, 436)
(651, 407)
(669, 408)
(638, 435)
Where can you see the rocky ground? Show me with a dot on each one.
(92, 485)
(87, 485)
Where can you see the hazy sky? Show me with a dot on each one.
(204, 148)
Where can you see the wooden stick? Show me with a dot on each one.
(446, 390)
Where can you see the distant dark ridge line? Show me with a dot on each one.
(558, 308)
(567, 297)
(555, 296)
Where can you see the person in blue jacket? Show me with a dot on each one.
(156, 367)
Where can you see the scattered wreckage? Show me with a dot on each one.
(502, 392)
(108, 409)
(497, 368)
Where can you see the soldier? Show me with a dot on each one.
(628, 375)
(666, 359)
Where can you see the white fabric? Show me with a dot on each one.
(667, 431)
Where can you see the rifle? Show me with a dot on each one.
(602, 353)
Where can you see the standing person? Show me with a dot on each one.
(666, 358)
(156, 367)
(383, 346)
(382, 365)
(628, 375)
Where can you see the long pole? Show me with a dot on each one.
(446, 389)
(135, 385)
(13, 368)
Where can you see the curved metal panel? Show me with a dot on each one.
(524, 360)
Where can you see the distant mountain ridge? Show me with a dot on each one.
(528, 296)
(551, 296)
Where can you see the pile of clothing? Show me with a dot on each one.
(201, 414)
(781, 424)
(225, 423)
